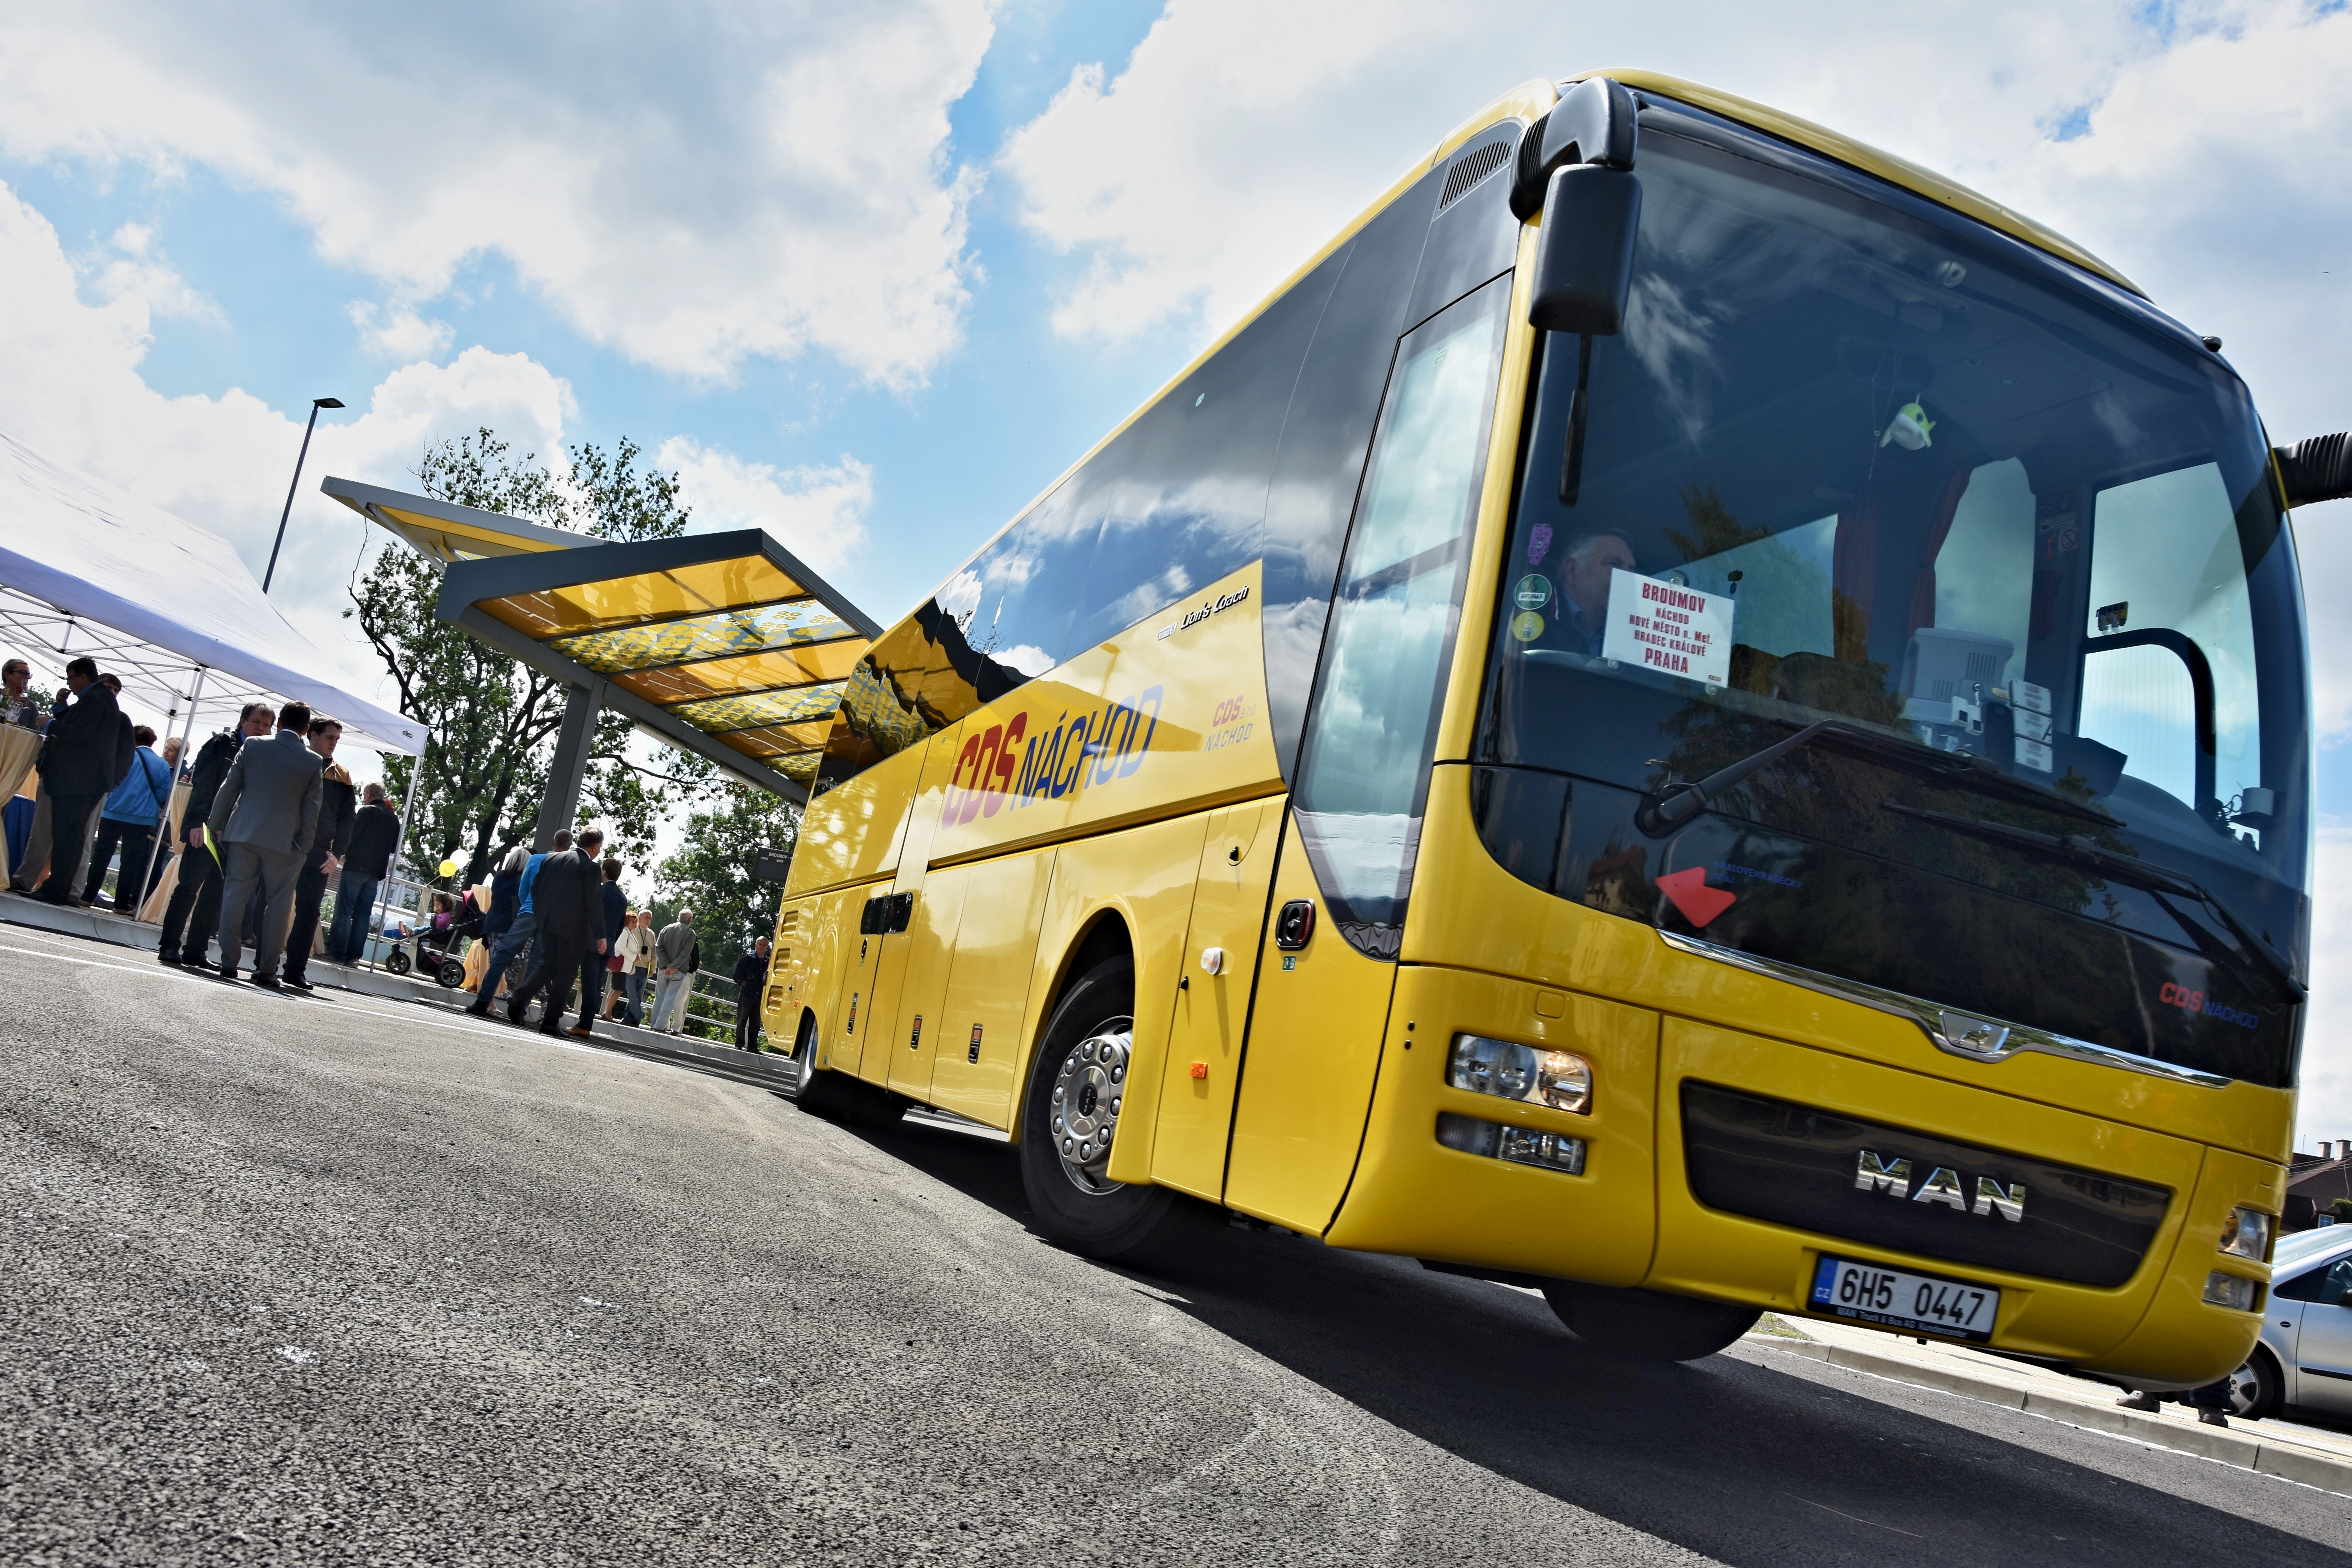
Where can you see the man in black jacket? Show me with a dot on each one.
(376, 829)
(570, 910)
(196, 898)
(337, 810)
(77, 770)
(751, 986)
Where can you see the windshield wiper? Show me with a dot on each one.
(2136, 872)
(1678, 803)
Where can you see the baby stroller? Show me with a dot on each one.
(434, 947)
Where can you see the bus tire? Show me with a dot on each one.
(1084, 1058)
(1647, 1325)
(823, 1095)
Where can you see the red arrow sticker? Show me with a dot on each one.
(1698, 902)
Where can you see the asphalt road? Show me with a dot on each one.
(293, 1280)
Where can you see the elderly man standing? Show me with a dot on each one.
(376, 829)
(673, 952)
(264, 820)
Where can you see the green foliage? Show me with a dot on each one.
(494, 719)
(711, 874)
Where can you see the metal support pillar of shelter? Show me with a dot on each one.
(573, 742)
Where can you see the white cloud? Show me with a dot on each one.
(816, 512)
(693, 185)
(129, 266)
(73, 391)
(398, 332)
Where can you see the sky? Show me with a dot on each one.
(870, 276)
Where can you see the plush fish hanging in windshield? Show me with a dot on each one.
(1910, 428)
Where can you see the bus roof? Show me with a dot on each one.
(1870, 161)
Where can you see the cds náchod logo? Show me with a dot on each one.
(2193, 1001)
(1017, 762)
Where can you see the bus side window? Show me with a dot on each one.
(1181, 491)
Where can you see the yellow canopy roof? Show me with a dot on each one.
(723, 643)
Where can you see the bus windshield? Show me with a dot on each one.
(1854, 459)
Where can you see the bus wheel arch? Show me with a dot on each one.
(1070, 1097)
(1102, 938)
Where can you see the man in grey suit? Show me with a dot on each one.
(262, 822)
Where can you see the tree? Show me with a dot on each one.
(711, 874)
(494, 719)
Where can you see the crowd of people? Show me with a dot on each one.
(272, 822)
(102, 790)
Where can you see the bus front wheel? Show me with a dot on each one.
(1647, 1325)
(1070, 1115)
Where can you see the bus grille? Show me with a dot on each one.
(1885, 1186)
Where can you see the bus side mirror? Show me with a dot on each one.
(2316, 469)
(1584, 252)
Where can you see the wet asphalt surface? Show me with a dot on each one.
(289, 1280)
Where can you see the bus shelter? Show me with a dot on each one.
(725, 645)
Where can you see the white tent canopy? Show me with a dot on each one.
(87, 568)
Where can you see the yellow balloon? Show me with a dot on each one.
(448, 867)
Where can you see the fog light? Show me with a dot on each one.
(1560, 1080)
(2247, 1234)
(1519, 1145)
(2234, 1291)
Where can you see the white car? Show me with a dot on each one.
(2305, 1357)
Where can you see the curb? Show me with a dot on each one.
(2223, 1446)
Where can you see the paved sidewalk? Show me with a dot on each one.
(767, 1069)
(2314, 1455)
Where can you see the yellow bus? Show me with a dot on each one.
(1689, 714)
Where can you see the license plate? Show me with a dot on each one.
(1870, 1294)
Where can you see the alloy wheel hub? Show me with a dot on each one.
(1088, 1093)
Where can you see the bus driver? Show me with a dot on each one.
(1576, 619)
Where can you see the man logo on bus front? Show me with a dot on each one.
(1942, 1186)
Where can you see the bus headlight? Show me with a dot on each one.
(2247, 1234)
(2234, 1291)
(1561, 1080)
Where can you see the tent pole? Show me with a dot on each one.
(399, 839)
(164, 817)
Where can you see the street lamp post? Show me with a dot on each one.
(316, 404)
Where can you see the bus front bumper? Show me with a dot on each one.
(1631, 1214)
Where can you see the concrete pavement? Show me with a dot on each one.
(341, 1280)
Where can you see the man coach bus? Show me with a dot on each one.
(1690, 713)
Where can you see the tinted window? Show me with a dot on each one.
(1374, 719)
(1324, 440)
(1181, 493)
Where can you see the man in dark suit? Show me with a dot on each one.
(338, 805)
(195, 907)
(77, 770)
(592, 974)
(571, 908)
(264, 820)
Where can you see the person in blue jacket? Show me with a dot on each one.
(128, 821)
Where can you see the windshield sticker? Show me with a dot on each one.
(1698, 902)
(1675, 630)
(1533, 593)
(2189, 1001)
(1526, 625)
(1539, 544)
(1728, 870)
